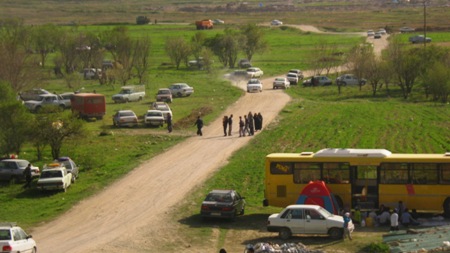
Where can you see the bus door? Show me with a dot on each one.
(364, 186)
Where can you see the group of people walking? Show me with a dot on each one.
(248, 124)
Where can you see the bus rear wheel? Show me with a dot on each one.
(446, 207)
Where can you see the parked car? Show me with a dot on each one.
(406, 29)
(298, 72)
(276, 22)
(218, 21)
(382, 31)
(317, 81)
(306, 219)
(370, 33)
(419, 39)
(164, 108)
(47, 100)
(254, 85)
(377, 35)
(125, 118)
(281, 82)
(244, 63)
(70, 165)
(223, 204)
(254, 72)
(181, 90)
(154, 118)
(165, 95)
(12, 170)
(349, 79)
(91, 73)
(54, 177)
(129, 93)
(292, 77)
(14, 239)
(33, 94)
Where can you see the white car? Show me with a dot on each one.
(370, 33)
(125, 118)
(254, 85)
(181, 89)
(349, 79)
(254, 72)
(306, 219)
(164, 108)
(292, 78)
(281, 82)
(276, 22)
(54, 177)
(14, 239)
(154, 118)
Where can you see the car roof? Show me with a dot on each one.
(8, 225)
(221, 191)
(14, 160)
(154, 111)
(304, 206)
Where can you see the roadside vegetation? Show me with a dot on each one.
(411, 117)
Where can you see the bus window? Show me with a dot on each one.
(424, 173)
(305, 172)
(394, 173)
(366, 172)
(336, 173)
(445, 173)
(280, 168)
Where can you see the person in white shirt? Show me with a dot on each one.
(394, 220)
(383, 218)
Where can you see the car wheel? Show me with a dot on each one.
(179, 94)
(140, 99)
(336, 233)
(242, 211)
(33, 250)
(285, 233)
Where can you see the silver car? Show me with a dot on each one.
(125, 118)
(12, 170)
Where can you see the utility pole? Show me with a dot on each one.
(425, 23)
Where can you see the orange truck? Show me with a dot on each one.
(204, 24)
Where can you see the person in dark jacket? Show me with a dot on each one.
(246, 125)
(199, 124)
(260, 120)
(251, 123)
(225, 125)
(169, 123)
(27, 173)
(241, 127)
(230, 124)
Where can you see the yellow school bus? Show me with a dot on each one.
(365, 178)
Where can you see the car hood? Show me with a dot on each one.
(335, 221)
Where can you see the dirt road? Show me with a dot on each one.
(130, 215)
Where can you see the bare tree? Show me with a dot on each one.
(45, 40)
(178, 50)
(141, 55)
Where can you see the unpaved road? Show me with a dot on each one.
(130, 215)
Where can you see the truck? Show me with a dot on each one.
(419, 39)
(47, 100)
(130, 93)
(54, 177)
(89, 105)
(204, 24)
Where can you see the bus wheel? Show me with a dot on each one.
(446, 207)
(284, 233)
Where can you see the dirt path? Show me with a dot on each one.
(130, 215)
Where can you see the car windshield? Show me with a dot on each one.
(22, 163)
(219, 197)
(150, 114)
(5, 235)
(164, 92)
(279, 79)
(50, 174)
(292, 75)
(324, 212)
(126, 114)
(253, 81)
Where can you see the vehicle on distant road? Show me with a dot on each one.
(204, 24)
(370, 33)
(254, 72)
(254, 85)
(406, 29)
(377, 35)
(298, 72)
(244, 63)
(292, 77)
(223, 204)
(419, 39)
(276, 22)
(281, 82)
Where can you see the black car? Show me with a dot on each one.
(223, 204)
(70, 165)
(244, 63)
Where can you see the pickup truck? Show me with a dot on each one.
(130, 93)
(46, 100)
(349, 79)
(419, 39)
(54, 177)
(204, 24)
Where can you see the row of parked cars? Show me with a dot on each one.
(156, 116)
(58, 175)
(294, 219)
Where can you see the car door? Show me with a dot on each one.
(21, 242)
(315, 223)
(294, 219)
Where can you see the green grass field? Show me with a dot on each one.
(316, 118)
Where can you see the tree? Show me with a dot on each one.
(54, 128)
(359, 60)
(438, 81)
(19, 67)
(227, 46)
(254, 40)
(197, 45)
(178, 50)
(141, 52)
(45, 40)
(14, 121)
